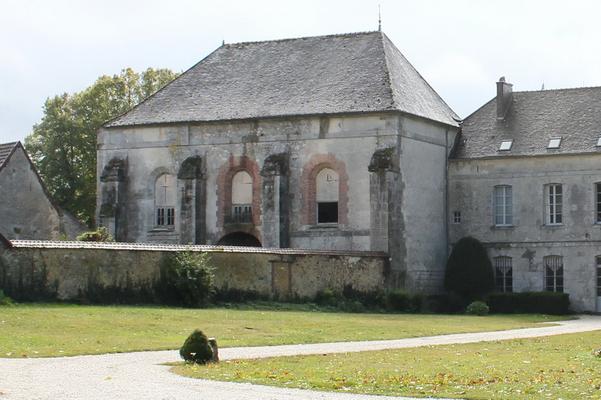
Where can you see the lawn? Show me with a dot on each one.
(556, 367)
(37, 330)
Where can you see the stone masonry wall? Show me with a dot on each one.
(73, 270)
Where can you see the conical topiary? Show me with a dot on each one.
(196, 348)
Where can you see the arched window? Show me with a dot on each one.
(326, 196)
(242, 197)
(164, 200)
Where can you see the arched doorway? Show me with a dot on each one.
(239, 239)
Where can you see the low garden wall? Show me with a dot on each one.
(86, 271)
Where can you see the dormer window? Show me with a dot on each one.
(505, 145)
(554, 143)
(599, 142)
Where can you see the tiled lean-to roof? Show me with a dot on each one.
(532, 120)
(359, 72)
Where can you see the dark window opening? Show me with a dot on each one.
(327, 213)
(165, 216)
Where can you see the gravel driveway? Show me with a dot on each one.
(140, 375)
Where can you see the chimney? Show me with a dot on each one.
(504, 98)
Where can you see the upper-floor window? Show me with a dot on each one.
(554, 204)
(503, 273)
(242, 197)
(503, 205)
(598, 203)
(164, 200)
(456, 217)
(553, 273)
(326, 196)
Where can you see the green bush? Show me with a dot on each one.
(530, 302)
(227, 295)
(447, 303)
(401, 301)
(328, 297)
(477, 308)
(99, 235)
(5, 300)
(187, 279)
(469, 272)
(196, 348)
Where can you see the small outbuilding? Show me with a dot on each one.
(27, 210)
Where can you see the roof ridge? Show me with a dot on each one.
(454, 115)
(334, 35)
(558, 89)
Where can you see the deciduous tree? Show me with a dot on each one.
(63, 143)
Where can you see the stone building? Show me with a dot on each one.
(332, 142)
(26, 208)
(524, 178)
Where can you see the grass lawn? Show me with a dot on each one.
(37, 330)
(556, 367)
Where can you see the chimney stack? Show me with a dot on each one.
(504, 98)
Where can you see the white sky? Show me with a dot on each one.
(461, 47)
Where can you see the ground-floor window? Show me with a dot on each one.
(553, 273)
(598, 258)
(503, 274)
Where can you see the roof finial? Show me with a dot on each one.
(543, 87)
(379, 19)
(223, 42)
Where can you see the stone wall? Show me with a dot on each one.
(79, 270)
(529, 239)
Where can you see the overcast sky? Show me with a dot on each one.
(460, 47)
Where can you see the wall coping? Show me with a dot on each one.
(44, 244)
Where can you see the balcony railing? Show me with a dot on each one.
(241, 214)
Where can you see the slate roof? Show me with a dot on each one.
(358, 72)
(6, 150)
(534, 118)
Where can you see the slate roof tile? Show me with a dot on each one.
(359, 72)
(534, 118)
(5, 151)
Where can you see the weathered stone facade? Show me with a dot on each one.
(342, 146)
(26, 208)
(500, 177)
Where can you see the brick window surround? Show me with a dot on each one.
(308, 187)
(224, 187)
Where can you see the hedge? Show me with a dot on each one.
(529, 302)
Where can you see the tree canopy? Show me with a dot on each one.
(63, 143)
(469, 271)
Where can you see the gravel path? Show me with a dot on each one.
(141, 376)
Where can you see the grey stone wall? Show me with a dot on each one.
(70, 270)
(529, 239)
(397, 207)
(25, 210)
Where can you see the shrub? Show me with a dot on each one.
(5, 300)
(196, 348)
(399, 300)
(477, 308)
(530, 302)
(227, 295)
(469, 271)
(187, 279)
(99, 235)
(447, 303)
(328, 297)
